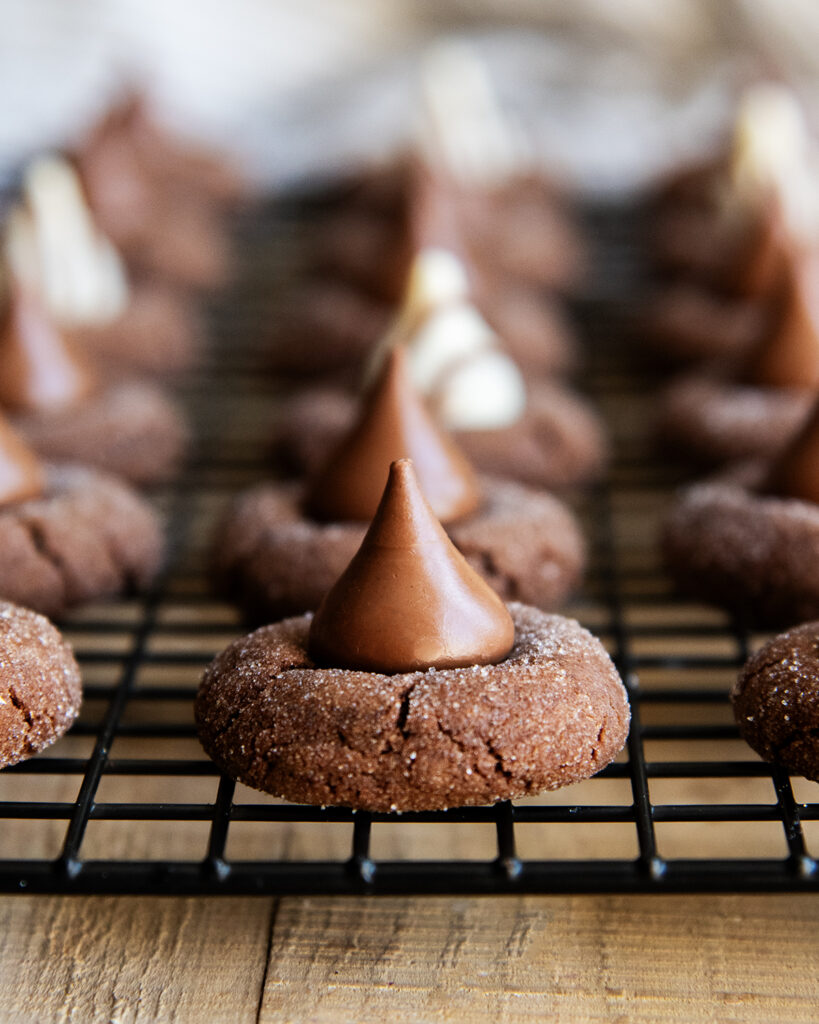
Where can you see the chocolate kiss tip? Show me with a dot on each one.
(393, 424)
(409, 601)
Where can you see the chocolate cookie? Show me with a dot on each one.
(529, 238)
(684, 323)
(694, 183)
(534, 329)
(127, 128)
(559, 442)
(160, 332)
(732, 253)
(329, 329)
(521, 233)
(89, 536)
(159, 225)
(363, 250)
(753, 554)
(40, 688)
(277, 562)
(776, 700)
(711, 420)
(132, 430)
(552, 713)
(188, 244)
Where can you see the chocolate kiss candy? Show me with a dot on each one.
(409, 600)
(795, 473)
(393, 424)
(788, 355)
(38, 371)
(21, 474)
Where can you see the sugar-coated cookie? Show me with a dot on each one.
(277, 562)
(751, 553)
(776, 700)
(89, 536)
(711, 420)
(554, 711)
(133, 430)
(40, 688)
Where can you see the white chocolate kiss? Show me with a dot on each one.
(462, 122)
(773, 154)
(54, 247)
(454, 356)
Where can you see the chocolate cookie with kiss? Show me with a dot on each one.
(413, 687)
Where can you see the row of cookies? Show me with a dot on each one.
(98, 301)
(735, 247)
(438, 384)
(83, 328)
(469, 246)
(732, 246)
(459, 734)
(413, 562)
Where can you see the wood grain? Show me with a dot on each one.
(131, 960)
(565, 959)
(561, 959)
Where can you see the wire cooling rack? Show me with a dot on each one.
(127, 802)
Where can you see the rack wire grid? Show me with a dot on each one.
(127, 802)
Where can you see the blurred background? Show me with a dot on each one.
(611, 93)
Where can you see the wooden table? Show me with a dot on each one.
(565, 959)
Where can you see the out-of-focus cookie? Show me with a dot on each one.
(684, 323)
(56, 251)
(711, 420)
(540, 433)
(752, 545)
(761, 202)
(558, 442)
(329, 329)
(87, 536)
(749, 409)
(67, 533)
(132, 430)
(60, 405)
(160, 225)
(160, 332)
(753, 554)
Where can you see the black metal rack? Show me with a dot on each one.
(127, 802)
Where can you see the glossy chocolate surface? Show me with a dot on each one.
(409, 601)
(393, 424)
